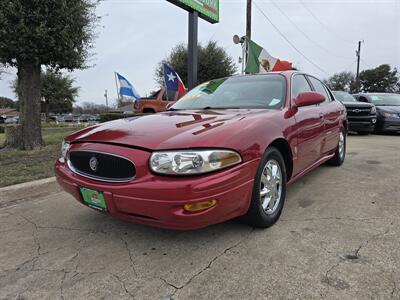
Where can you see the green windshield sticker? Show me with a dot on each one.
(375, 98)
(212, 86)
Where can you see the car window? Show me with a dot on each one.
(319, 87)
(169, 95)
(154, 94)
(299, 85)
(362, 99)
(331, 97)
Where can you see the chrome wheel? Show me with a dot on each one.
(341, 144)
(271, 186)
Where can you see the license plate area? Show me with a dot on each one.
(93, 199)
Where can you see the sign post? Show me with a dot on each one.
(207, 10)
(192, 50)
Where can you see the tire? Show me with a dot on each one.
(340, 153)
(148, 111)
(267, 215)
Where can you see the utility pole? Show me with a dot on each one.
(248, 20)
(192, 49)
(106, 96)
(358, 53)
(248, 30)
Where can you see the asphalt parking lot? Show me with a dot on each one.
(338, 238)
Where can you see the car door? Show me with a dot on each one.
(332, 115)
(309, 126)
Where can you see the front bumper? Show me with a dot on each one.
(363, 123)
(386, 124)
(158, 200)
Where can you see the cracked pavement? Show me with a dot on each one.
(338, 238)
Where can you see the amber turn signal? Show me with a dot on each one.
(194, 207)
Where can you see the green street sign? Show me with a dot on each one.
(207, 9)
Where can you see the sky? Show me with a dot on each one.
(320, 37)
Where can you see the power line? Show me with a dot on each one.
(323, 24)
(351, 65)
(288, 41)
(367, 64)
(306, 35)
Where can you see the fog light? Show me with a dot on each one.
(193, 207)
(373, 121)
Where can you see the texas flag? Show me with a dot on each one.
(172, 81)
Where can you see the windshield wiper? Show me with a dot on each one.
(211, 107)
(172, 109)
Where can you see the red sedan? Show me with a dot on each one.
(227, 149)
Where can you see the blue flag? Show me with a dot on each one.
(126, 88)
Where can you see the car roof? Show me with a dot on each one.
(286, 73)
(377, 94)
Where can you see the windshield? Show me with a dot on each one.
(385, 99)
(344, 97)
(257, 91)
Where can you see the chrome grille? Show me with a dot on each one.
(101, 166)
(358, 111)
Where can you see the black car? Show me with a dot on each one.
(388, 110)
(361, 116)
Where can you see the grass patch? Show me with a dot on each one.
(18, 166)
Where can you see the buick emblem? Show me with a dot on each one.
(93, 164)
(357, 110)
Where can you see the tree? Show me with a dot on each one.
(58, 93)
(344, 81)
(381, 79)
(53, 33)
(7, 103)
(90, 108)
(214, 62)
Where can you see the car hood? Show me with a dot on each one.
(175, 130)
(356, 104)
(389, 109)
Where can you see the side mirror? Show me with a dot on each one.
(308, 98)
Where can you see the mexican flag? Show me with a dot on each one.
(260, 61)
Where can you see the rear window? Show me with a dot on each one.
(299, 85)
(319, 87)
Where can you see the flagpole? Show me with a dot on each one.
(165, 85)
(244, 56)
(116, 85)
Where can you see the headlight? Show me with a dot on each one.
(373, 110)
(64, 149)
(188, 162)
(390, 115)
